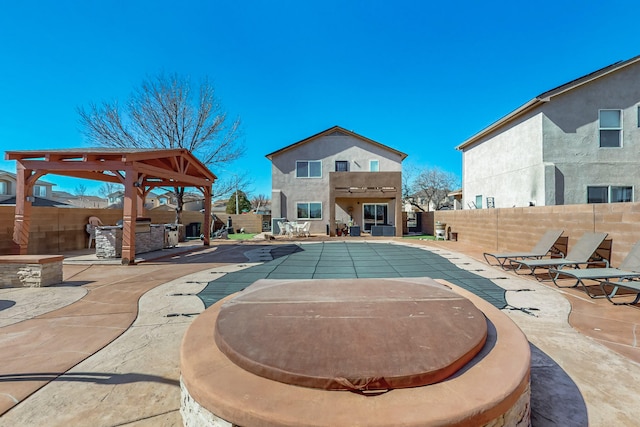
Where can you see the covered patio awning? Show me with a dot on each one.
(138, 170)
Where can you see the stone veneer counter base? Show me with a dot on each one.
(30, 271)
(491, 390)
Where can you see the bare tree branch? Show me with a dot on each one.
(164, 113)
(431, 186)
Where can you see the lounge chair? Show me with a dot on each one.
(582, 253)
(629, 270)
(627, 284)
(540, 250)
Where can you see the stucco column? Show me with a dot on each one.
(130, 213)
(22, 217)
(332, 211)
(398, 210)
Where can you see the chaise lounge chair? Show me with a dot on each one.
(629, 270)
(582, 253)
(540, 250)
(627, 284)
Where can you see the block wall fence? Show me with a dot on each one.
(56, 230)
(516, 229)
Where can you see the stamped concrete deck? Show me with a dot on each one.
(102, 349)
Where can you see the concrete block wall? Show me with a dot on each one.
(517, 229)
(56, 230)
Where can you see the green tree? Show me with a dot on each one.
(244, 205)
(164, 112)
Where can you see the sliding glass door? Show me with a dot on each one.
(374, 214)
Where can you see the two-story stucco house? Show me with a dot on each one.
(577, 143)
(338, 177)
(41, 189)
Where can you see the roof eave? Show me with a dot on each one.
(546, 97)
(501, 122)
(327, 131)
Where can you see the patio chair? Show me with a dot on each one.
(289, 228)
(582, 253)
(282, 228)
(540, 250)
(629, 270)
(304, 229)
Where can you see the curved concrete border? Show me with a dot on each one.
(494, 386)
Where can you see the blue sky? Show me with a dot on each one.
(418, 76)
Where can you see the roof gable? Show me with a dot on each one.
(546, 97)
(334, 131)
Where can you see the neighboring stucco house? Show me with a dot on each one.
(83, 201)
(577, 143)
(41, 189)
(338, 177)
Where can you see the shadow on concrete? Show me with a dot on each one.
(5, 303)
(555, 398)
(91, 377)
(227, 253)
(71, 284)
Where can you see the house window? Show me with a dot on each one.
(374, 165)
(3, 188)
(479, 201)
(308, 169)
(342, 166)
(39, 191)
(609, 194)
(374, 214)
(621, 194)
(309, 210)
(610, 128)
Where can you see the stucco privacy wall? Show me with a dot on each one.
(55, 230)
(515, 229)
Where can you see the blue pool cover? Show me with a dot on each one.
(332, 260)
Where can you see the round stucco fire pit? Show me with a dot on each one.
(354, 352)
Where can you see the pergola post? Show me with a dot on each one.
(138, 170)
(129, 215)
(207, 215)
(22, 217)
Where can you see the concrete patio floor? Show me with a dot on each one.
(102, 349)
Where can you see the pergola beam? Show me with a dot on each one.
(137, 170)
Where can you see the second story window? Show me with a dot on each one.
(308, 169)
(342, 166)
(610, 124)
(39, 191)
(374, 165)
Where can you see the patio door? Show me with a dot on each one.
(374, 214)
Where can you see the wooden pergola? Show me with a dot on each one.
(139, 170)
